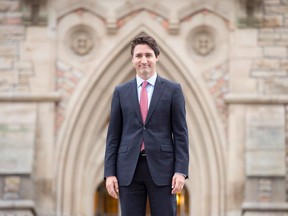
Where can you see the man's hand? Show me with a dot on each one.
(112, 186)
(178, 182)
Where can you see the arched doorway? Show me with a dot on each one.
(104, 205)
(81, 143)
(82, 152)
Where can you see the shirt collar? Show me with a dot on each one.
(151, 80)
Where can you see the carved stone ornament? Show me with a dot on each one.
(81, 42)
(203, 42)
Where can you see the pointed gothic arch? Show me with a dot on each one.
(155, 8)
(81, 144)
(62, 9)
(218, 8)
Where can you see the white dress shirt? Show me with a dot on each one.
(150, 87)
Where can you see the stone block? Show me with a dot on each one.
(265, 141)
(6, 63)
(268, 73)
(265, 163)
(284, 64)
(12, 18)
(275, 51)
(265, 116)
(11, 189)
(276, 9)
(8, 50)
(17, 207)
(265, 138)
(272, 2)
(268, 37)
(273, 21)
(266, 64)
(16, 213)
(12, 33)
(8, 5)
(23, 65)
(275, 86)
(7, 80)
(17, 138)
(265, 190)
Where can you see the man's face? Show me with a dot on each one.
(144, 61)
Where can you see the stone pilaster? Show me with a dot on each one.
(265, 161)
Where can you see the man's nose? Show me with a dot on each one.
(143, 59)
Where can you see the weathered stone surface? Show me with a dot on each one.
(265, 141)
(12, 33)
(8, 5)
(275, 51)
(17, 138)
(265, 163)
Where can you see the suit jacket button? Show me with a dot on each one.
(144, 128)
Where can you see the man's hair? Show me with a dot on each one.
(143, 38)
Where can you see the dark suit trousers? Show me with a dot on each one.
(133, 197)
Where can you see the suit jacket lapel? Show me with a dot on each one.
(134, 96)
(158, 89)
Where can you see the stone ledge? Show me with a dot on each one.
(249, 206)
(29, 97)
(255, 99)
(17, 204)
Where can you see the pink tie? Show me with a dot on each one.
(144, 105)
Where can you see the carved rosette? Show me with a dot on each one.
(203, 41)
(81, 40)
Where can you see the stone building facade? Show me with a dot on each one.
(61, 59)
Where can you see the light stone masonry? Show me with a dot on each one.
(272, 2)
(12, 33)
(273, 21)
(8, 5)
(6, 63)
(275, 51)
(52, 147)
(266, 64)
(279, 9)
(9, 50)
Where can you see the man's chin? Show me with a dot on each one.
(145, 72)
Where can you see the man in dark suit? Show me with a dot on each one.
(147, 141)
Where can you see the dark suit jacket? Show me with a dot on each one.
(165, 133)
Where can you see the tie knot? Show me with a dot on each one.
(144, 84)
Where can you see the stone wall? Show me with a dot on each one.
(231, 56)
(266, 123)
